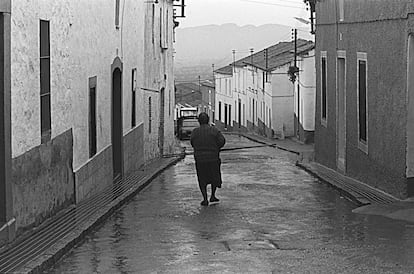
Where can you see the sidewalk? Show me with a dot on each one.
(40, 249)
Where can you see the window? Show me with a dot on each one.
(226, 115)
(244, 114)
(270, 119)
(153, 22)
(149, 114)
(362, 101)
(160, 27)
(117, 14)
(219, 111)
(163, 28)
(263, 80)
(253, 112)
(169, 102)
(92, 117)
(262, 111)
(324, 95)
(256, 110)
(167, 19)
(45, 119)
(341, 10)
(133, 100)
(250, 108)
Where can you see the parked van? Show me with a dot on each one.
(185, 126)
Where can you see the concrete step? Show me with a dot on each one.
(42, 247)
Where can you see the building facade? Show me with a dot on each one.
(224, 96)
(255, 93)
(199, 95)
(92, 100)
(364, 109)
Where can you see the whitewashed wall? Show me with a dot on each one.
(223, 94)
(307, 83)
(158, 73)
(25, 70)
(282, 102)
(77, 53)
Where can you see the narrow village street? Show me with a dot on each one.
(272, 218)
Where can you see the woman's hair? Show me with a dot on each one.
(203, 118)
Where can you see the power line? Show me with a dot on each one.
(291, 1)
(286, 1)
(272, 4)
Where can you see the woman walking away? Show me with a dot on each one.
(207, 141)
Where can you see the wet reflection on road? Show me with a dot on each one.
(272, 217)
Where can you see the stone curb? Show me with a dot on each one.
(351, 196)
(55, 252)
(263, 142)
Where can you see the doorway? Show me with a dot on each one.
(225, 115)
(161, 125)
(240, 118)
(341, 112)
(117, 161)
(410, 117)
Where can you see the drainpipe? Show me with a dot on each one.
(7, 221)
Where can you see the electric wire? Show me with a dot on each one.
(272, 4)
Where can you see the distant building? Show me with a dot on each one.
(365, 90)
(224, 96)
(255, 92)
(89, 98)
(196, 94)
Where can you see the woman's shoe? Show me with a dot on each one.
(214, 199)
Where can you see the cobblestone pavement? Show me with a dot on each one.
(272, 218)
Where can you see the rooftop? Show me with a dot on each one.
(277, 55)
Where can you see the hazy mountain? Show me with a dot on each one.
(197, 48)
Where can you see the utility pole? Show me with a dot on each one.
(296, 70)
(251, 61)
(234, 60)
(296, 45)
(267, 65)
(214, 80)
(199, 84)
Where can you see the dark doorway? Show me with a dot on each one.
(225, 115)
(161, 125)
(240, 118)
(7, 224)
(117, 123)
(3, 180)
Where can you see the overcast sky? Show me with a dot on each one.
(244, 12)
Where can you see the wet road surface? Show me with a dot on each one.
(272, 218)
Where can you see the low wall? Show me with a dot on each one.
(134, 149)
(43, 181)
(95, 175)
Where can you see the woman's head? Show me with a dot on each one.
(203, 118)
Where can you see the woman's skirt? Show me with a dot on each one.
(209, 173)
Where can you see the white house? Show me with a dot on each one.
(261, 97)
(92, 98)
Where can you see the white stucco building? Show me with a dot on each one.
(256, 94)
(92, 97)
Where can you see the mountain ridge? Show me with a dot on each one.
(201, 46)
